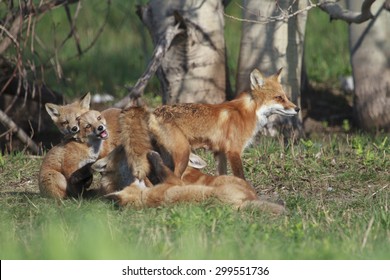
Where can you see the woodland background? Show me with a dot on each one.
(64, 49)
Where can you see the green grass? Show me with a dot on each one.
(326, 48)
(334, 188)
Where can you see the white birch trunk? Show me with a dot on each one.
(193, 69)
(272, 45)
(370, 56)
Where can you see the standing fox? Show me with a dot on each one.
(65, 170)
(226, 129)
(226, 189)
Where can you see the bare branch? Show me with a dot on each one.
(335, 11)
(283, 15)
(11, 34)
(157, 57)
(331, 7)
(8, 122)
(73, 29)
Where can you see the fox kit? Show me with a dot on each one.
(226, 129)
(111, 116)
(65, 116)
(131, 191)
(65, 170)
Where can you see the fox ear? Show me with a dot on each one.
(196, 161)
(257, 79)
(52, 110)
(100, 165)
(85, 101)
(277, 75)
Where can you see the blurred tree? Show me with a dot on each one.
(272, 37)
(370, 56)
(194, 67)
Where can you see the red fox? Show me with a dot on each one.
(64, 116)
(226, 129)
(65, 170)
(127, 190)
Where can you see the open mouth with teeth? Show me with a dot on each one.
(103, 135)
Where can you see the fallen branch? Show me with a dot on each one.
(19, 132)
(158, 54)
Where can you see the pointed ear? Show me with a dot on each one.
(52, 110)
(196, 161)
(278, 76)
(100, 165)
(85, 101)
(257, 79)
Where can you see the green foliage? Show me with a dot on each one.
(331, 190)
(123, 49)
(326, 48)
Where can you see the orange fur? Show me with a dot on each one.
(112, 121)
(65, 170)
(226, 129)
(226, 189)
(65, 116)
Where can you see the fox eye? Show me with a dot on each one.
(279, 98)
(88, 126)
(99, 118)
(65, 123)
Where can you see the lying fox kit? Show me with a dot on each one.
(65, 170)
(226, 189)
(226, 129)
(65, 116)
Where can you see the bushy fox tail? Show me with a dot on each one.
(263, 206)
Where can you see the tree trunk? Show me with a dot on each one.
(370, 54)
(273, 44)
(193, 69)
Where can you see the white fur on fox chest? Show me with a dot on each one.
(261, 120)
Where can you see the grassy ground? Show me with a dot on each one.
(335, 187)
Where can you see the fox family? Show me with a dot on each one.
(225, 129)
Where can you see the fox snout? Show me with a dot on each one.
(101, 131)
(74, 129)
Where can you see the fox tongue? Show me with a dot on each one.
(103, 134)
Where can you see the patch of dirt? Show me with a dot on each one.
(326, 108)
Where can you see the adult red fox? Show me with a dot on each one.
(131, 191)
(65, 170)
(226, 129)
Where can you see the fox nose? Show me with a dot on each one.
(74, 129)
(100, 128)
(297, 109)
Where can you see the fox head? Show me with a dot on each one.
(65, 116)
(116, 174)
(270, 95)
(92, 126)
